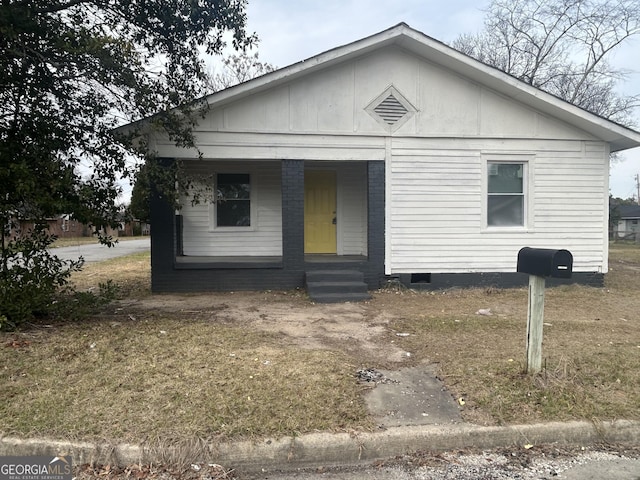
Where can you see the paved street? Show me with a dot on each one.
(593, 465)
(95, 252)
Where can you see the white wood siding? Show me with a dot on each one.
(435, 164)
(352, 209)
(437, 198)
(262, 239)
(324, 117)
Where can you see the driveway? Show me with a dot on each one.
(95, 252)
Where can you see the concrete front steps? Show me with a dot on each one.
(336, 286)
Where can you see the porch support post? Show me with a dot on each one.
(375, 221)
(163, 226)
(293, 214)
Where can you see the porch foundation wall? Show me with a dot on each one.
(213, 280)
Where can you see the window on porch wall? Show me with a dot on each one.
(233, 200)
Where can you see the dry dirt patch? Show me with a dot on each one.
(359, 329)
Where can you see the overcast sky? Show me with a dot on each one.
(294, 30)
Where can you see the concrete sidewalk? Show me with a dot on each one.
(339, 449)
(414, 413)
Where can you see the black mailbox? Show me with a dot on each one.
(545, 262)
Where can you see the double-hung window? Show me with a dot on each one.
(506, 194)
(233, 200)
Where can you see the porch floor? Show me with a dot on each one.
(231, 262)
(197, 261)
(329, 258)
(209, 259)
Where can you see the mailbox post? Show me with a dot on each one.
(540, 263)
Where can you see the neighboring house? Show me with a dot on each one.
(395, 156)
(63, 226)
(628, 226)
(133, 228)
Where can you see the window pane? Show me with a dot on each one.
(234, 186)
(505, 177)
(233, 206)
(505, 210)
(234, 213)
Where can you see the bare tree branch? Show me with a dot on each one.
(561, 46)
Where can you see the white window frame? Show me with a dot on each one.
(213, 206)
(527, 162)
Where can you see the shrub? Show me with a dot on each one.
(32, 279)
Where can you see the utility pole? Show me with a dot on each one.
(638, 188)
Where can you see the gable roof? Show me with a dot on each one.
(403, 36)
(619, 137)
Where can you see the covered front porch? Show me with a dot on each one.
(271, 252)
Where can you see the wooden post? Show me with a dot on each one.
(535, 320)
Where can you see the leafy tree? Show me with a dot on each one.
(139, 207)
(71, 71)
(562, 47)
(236, 68)
(622, 201)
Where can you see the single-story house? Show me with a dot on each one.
(395, 156)
(628, 225)
(62, 226)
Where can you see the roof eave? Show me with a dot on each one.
(618, 136)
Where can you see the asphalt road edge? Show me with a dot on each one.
(331, 449)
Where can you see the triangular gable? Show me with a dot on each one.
(431, 50)
(389, 91)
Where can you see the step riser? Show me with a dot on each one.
(330, 276)
(336, 286)
(330, 287)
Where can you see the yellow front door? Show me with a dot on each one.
(320, 211)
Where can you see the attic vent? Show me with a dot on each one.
(391, 109)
